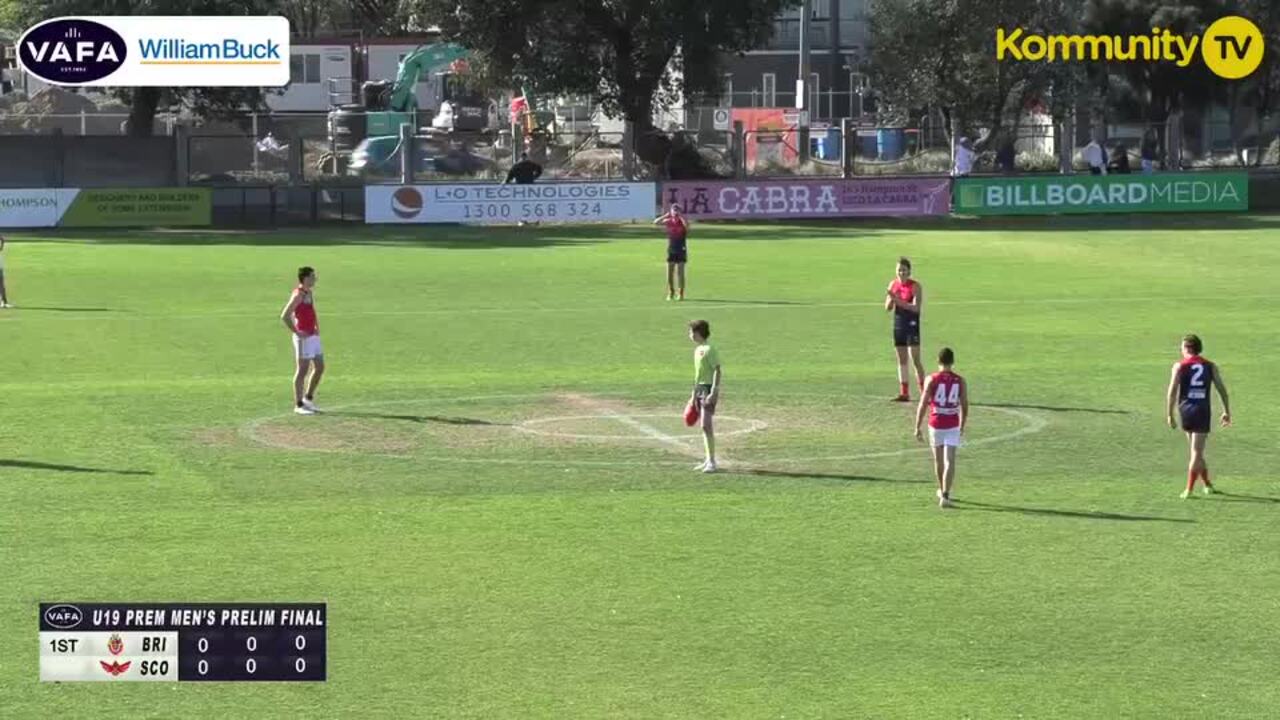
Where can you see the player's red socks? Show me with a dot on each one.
(903, 389)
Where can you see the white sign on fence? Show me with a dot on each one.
(720, 119)
(477, 203)
(34, 208)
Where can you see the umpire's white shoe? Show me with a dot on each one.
(310, 405)
(303, 410)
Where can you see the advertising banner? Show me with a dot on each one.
(1048, 194)
(41, 207)
(106, 207)
(800, 199)
(475, 203)
(131, 207)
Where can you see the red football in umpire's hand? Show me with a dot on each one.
(692, 413)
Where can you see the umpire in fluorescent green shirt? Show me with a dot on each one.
(707, 377)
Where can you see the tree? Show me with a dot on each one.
(629, 55)
(941, 54)
(143, 102)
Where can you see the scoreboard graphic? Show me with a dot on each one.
(159, 642)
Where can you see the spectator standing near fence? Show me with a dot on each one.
(964, 158)
(1007, 158)
(523, 173)
(4, 293)
(1121, 164)
(1095, 157)
(1148, 152)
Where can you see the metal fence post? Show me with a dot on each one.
(182, 155)
(846, 166)
(255, 143)
(406, 154)
(740, 150)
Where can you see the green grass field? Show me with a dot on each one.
(493, 541)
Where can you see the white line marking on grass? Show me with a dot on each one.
(529, 426)
(589, 308)
(250, 431)
(604, 410)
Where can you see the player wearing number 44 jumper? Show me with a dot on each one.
(946, 397)
(1189, 389)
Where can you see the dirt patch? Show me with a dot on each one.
(215, 437)
(337, 435)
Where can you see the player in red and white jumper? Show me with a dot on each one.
(299, 316)
(946, 397)
(905, 297)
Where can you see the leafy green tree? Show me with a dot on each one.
(631, 56)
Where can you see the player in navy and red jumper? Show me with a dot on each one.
(946, 397)
(905, 297)
(677, 248)
(1189, 389)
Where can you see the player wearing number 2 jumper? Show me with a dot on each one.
(1189, 389)
(946, 397)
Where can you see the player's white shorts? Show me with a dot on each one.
(307, 348)
(948, 438)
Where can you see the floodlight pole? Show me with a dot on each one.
(802, 84)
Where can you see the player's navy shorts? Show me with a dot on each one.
(701, 392)
(677, 252)
(1196, 418)
(906, 332)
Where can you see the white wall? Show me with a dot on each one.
(384, 62)
(311, 93)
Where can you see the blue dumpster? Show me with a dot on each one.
(867, 144)
(889, 143)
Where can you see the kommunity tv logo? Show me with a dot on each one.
(1231, 47)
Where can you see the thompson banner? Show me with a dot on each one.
(798, 199)
(1161, 192)
(40, 207)
(131, 207)
(487, 203)
(118, 207)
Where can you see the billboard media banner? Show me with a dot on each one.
(34, 208)
(799, 199)
(122, 207)
(1162, 192)
(157, 50)
(474, 203)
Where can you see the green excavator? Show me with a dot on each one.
(385, 105)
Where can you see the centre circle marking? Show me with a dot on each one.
(251, 431)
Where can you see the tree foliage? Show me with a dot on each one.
(629, 55)
(940, 54)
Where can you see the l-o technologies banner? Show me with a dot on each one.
(800, 199)
(1160, 192)
(106, 207)
(474, 203)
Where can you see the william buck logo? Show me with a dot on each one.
(159, 51)
(1231, 47)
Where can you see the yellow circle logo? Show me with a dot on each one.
(1232, 47)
